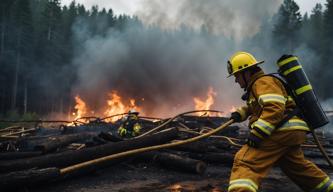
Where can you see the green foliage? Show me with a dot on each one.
(287, 26)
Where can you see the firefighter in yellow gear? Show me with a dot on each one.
(269, 143)
(130, 127)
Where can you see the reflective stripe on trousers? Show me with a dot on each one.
(243, 183)
(325, 186)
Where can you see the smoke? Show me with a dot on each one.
(328, 107)
(234, 19)
(179, 52)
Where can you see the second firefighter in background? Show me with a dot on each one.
(130, 126)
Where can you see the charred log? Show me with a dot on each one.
(108, 136)
(175, 162)
(19, 155)
(30, 177)
(73, 157)
(52, 143)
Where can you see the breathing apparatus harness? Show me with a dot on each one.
(297, 85)
(291, 113)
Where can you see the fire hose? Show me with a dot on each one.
(141, 150)
(173, 118)
(168, 145)
(321, 148)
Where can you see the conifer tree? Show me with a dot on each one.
(287, 27)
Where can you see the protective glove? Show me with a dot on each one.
(253, 140)
(136, 128)
(122, 131)
(236, 116)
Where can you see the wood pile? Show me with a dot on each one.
(39, 154)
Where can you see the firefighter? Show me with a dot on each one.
(130, 126)
(269, 143)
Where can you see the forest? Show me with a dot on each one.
(42, 44)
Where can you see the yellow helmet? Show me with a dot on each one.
(240, 61)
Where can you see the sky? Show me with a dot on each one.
(131, 6)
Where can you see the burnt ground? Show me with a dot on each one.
(141, 177)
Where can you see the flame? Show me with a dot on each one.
(117, 106)
(81, 108)
(205, 104)
(232, 109)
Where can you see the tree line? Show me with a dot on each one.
(37, 41)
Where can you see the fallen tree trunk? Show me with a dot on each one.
(52, 143)
(73, 157)
(18, 155)
(109, 137)
(183, 163)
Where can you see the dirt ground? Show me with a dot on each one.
(141, 177)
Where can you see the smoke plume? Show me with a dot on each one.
(234, 19)
(180, 50)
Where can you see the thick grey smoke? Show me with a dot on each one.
(234, 19)
(328, 107)
(168, 69)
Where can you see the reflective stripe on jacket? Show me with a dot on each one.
(267, 105)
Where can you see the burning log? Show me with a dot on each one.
(73, 157)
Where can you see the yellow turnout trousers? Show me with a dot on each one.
(251, 165)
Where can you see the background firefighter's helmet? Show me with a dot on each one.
(240, 61)
(133, 111)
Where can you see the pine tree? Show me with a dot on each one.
(326, 68)
(316, 28)
(287, 27)
(328, 26)
(21, 31)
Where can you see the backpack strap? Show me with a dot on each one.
(294, 112)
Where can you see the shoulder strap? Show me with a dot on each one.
(246, 95)
(290, 114)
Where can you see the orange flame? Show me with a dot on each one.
(81, 108)
(205, 104)
(116, 106)
(232, 109)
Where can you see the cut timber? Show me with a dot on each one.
(30, 177)
(10, 128)
(176, 162)
(52, 143)
(73, 157)
(19, 132)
